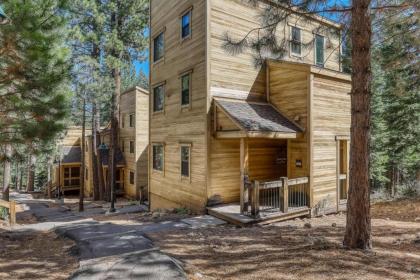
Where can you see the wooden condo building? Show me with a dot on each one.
(132, 155)
(247, 143)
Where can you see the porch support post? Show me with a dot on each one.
(285, 196)
(255, 207)
(244, 171)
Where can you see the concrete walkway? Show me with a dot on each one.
(112, 251)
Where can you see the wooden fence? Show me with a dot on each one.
(276, 196)
(11, 206)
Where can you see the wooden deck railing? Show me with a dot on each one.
(275, 196)
(11, 206)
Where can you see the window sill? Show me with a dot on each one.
(157, 62)
(185, 179)
(185, 108)
(157, 113)
(185, 39)
(155, 171)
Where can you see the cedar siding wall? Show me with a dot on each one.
(135, 101)
(127, 134)
(228, 71)
(331, 117)
(238, 72)
(175, 126)
(142, 141)
(289, 93)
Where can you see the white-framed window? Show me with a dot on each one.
(158, 156)
(185, 160)
(159, 98)
(186, 89)
(296, 41)
(131, 147)
(186, 24)
(158, 47)
(319, 50)
(132, 120)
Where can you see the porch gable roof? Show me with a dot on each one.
(258, 118)
(71, 154)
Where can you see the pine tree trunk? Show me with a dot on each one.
(20, 180)
(358, 227)
(94, 153)
(31, 174)
(6, 171)
(16, 175)
(114, 133)
(83, 168)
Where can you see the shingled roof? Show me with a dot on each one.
(105, 157)
(71, 154)
(257, 117)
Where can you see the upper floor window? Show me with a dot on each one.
(185, 160)
(319, 50)
(186, 25)
(131, 147)
(158, 47)
(122, 146)
(185, 89)
(296, 41)
(131, 120)
(158, 157)
(131, 177)
(158, 98)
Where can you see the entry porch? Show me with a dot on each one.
(273, 162)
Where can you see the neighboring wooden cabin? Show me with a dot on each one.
(223, 131)
(132, 155)
(66, 171)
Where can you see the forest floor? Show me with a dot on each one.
(302, 248)
(35, 255)
(296, 249)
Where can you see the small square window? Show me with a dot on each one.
(185, 89)
(131, 177)
(158, 47)
(132, 119)
(158, 157)
(186, 25)
(296, 43)
(319, 50)
(131, 147)
(158, 98)
(185, 161)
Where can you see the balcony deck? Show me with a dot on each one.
(231, 213)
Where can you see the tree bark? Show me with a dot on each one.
(358, 227)
(83, 168)
(94, 153)
(6, 171)
(114, 134)
(31, 173)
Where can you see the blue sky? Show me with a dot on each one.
(144, 66)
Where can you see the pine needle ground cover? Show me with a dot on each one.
(35, 255)
(302, 249)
